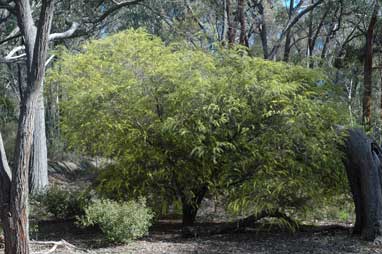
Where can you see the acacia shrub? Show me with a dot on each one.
(179, 122)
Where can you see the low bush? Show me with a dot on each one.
(63, 204)
(120, 222)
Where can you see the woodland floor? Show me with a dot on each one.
(165, 237)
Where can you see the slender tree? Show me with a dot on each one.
(288, 35)
(243, 22)
(368, 67)
(231, 24)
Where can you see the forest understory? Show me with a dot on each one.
(190, 126)
(166, 236)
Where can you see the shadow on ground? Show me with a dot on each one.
(166, 237)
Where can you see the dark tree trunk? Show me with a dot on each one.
(380, 98)
(309, 49)
(189, 214)
(288, 35)
(263, 30)
(243, 23)
(190, 206)
(231, 24)
(5, 185)
(363, 166)
(368, 68)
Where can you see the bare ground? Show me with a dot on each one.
(166, 238)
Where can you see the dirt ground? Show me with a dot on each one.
(166, 238)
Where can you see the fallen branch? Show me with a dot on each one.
(56, 244)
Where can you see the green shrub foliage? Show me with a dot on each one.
(176, 120)
(63, 204)
(120, 222)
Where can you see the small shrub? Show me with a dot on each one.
(120, 222)
(63, 204)
(33, 230)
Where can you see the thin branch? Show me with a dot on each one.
(8, 6)
(9, 38)
(11, 57)
(66, 34)
(14, 51)
(116, 7)
(50, 59)
(290, 25)
(189, 8)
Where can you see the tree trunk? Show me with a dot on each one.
(310, 45)
(363, 167)
(5, 185)
(19, 188)
(263, 30)
(231, 24)
(288, 35)
(243, 23)
(224, 32)
(190, 206)
(38, 174)
(189, 214)
(368, 68)
(15, 222)
(380, 98)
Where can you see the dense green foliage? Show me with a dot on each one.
(120, 222)
(62, 204)
(7, 109)
(176, 120)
